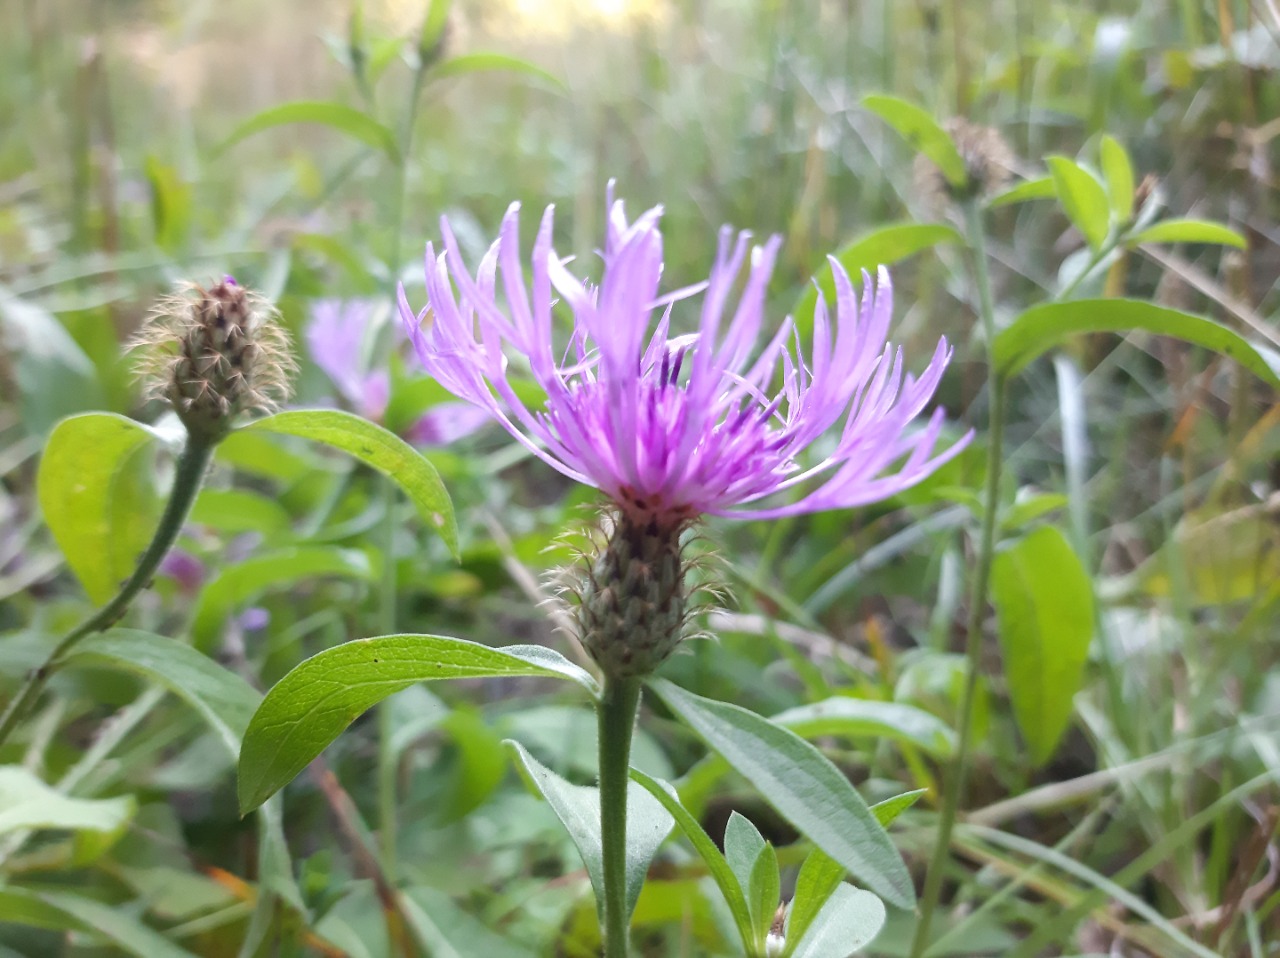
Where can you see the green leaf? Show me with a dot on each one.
(849, 920)
(578, 808)
(820, 875)
(1118, 172)
(238, 510)
(1041, 328)
(478, 62)
(60, 911)
(882, 247)
(802, 784)
(378, 448)
(1189, 231)
(923, 132)
(887, 812)
(308, 708)
(95, 500)
(755, 866)
(224, 700)
(27, 803)
(170, 204)
(1044, 603)
(1041, 188)
(1082, 197)
(854, 718)
(446, 931)
(716, 864)
(239, 582)
(336, 116)
(433, 25)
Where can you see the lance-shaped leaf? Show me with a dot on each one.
(311, 706)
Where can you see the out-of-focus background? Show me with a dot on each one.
(146, 143)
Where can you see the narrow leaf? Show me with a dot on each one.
(94, 499)
(1041, 188)
(1082, 197)
(336, 116)
(1041, 328)
(887, 812)
(477, 62)
(820, 875)
(41, 909)
(311, 706)
(1044, 603)
(755, 866)
(802, 784)
(1189, 231)
(853, 718)
(241, 581)
(378, 448)
(1117, 170)
(716, 864)
(882, 247)
(27, 803)
(922, 131)
(578, 808)
(223, 699)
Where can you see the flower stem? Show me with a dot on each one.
(616, 711)
(978, 596)
(186, 483)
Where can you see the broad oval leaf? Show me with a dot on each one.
(239, 582)
(802, 784)
(311, 706)
(1044, 603)
(223, 699)
(849, 920)
(578, 808)
(881, 247)
(1041, 328)
(1082, 197)
(336, 116)
(860, 717)
(1189, 231)
(918, 127)
(94, 500)
(716, 863)
(378, 448)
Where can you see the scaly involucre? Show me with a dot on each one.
(673, 427)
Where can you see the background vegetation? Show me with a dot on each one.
(144, 145)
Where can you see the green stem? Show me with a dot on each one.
(388, 823)
(186, 484)
(617, 714)
(978, 597)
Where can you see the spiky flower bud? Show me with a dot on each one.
(633, 595)
(214, 354)
(988, 165)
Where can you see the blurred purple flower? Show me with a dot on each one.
(335, 338)
(183, 568)
(672, 427)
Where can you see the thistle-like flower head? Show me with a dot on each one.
(213, 354)
(672, 427)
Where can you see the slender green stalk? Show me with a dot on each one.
(617, 715)
(388, 822)
(955, 781)
(186, 484)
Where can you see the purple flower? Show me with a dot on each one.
(335, 339)
(676, 426)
